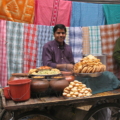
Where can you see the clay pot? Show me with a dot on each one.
(58, 85)
(17, 76)
(70, 78)
(39, 85)
(68, 75)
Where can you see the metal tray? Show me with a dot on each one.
(89, 74)
(45, 75)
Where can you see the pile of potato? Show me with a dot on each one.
(77, 89)
(89, 64)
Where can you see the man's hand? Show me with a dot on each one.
(69, 67)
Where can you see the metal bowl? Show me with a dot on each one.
(89, 74)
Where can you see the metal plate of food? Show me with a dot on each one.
(89, 74)
(44, 74)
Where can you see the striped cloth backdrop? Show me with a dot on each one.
(86, 42)
(75, 38)
(95, 40)
(30, 47)
(109, 34)
(67, 36)
(45, 34)
(3, 51)
(15, 32)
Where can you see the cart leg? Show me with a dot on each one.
(6, 115)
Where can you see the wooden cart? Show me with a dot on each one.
(48, 102)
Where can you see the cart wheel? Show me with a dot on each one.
(106, 111)
(33, 115)
(5, 115)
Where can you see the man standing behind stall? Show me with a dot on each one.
(57, 53)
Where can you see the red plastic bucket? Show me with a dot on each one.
(6, 91)
(20, 89)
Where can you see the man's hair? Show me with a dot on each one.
(61, 26)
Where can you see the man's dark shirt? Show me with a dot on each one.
(54, 54)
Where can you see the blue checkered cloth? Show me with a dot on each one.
(75, 41)
(45, 34)
(15, 34)
(95, 40)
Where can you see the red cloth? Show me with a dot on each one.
(3, 52)
(30, 47)
(51, 12)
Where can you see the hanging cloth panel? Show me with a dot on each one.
(30, 47)
(17, 10)
(43, 12)
(51, 12)
(86, 42)
(95, 40)
(3, 51)
(75, 36)
(44, 35)
(64, 13)
(109, 34)
(15, 32)
(86, 14)
(67, 36)
(112, 13)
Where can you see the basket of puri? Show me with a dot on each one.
(89, 66)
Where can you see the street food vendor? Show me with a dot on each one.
(57, 53)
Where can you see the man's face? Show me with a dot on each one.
(60, 35)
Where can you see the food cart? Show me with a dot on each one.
(45, 107)
(43, 104)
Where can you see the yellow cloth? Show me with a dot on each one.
(17, 10)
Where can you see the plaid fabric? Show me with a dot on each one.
(109, 34)
(75, 38)
(67, 36)
(3, 58)
(30, 47)
(45, 34)
(95, 40)
(15, 32)
(86, 42)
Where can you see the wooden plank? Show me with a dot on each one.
(44, 101)
(3, 99)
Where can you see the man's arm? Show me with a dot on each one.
(47, 57)
(71, 58)
(47, 60)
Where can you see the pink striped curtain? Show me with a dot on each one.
(3, 58)
(51, 12)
